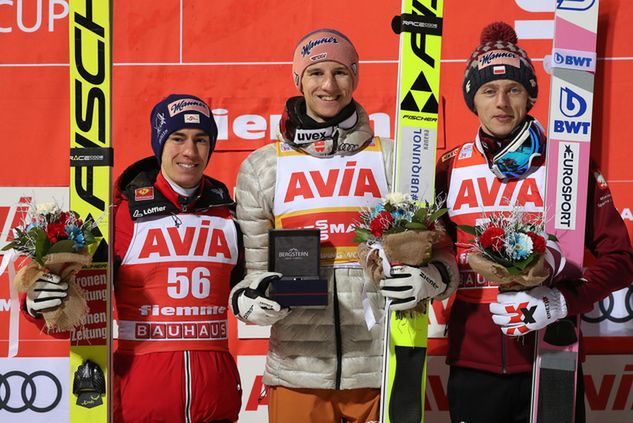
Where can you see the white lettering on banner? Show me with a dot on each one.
(198, 238)
(92, 280)
(172, 331)
(257, 127)
(626, 214)
(536, 5)
(5, 304)
(535, 29)
(34, 19)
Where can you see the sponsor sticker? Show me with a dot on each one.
(144, 193)
(192, 118)
(498, 57)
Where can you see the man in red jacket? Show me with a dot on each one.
(491, 367)
(177, 253)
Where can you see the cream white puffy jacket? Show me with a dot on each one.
(327, 348)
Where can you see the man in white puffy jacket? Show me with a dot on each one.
(323, 365)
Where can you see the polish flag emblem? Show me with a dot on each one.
(499, 70)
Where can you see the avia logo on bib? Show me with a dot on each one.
(489, 192)
(352, 181)
(204, 239)
(162, 241)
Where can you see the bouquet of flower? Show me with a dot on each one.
(405, 230)
(57, 242)
(510, 250)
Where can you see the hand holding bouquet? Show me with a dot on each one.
(399, 230)
(510, 250)
(57, 242)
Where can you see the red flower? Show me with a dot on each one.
(538, 242)
(380, 223)
(63, 218)
(492, 238)
(55, 232)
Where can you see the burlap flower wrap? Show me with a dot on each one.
(412, 248)
(534, 274)
(74, 308)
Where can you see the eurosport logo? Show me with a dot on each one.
(25, 397)
(612, 310)
(573, 106)
(578, 5)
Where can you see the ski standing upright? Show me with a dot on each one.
(570, 117)
(420, 29)
(91, 159)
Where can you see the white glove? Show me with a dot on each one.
(46, 294)
(253, 306)
(408, 285)
(521, 312)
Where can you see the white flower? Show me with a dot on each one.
(519, 246)
(397, 199)
(47, 208)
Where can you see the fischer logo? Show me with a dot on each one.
(574, 59)
(567, 184)
(572, 105)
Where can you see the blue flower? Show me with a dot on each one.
(75, 234)
(519, 246)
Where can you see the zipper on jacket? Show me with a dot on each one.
(503, 355)
(337, 333)
(187, 368)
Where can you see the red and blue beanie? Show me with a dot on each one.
(180, 111)
(498, 57)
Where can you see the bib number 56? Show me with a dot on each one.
(183, 282)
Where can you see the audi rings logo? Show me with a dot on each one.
(607, 306)
(28, 395)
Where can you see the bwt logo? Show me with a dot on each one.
(573, 60)
(571, 105)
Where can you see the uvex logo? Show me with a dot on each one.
(350, 181)
(185, 242)
(493, 193)
(307, 135)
